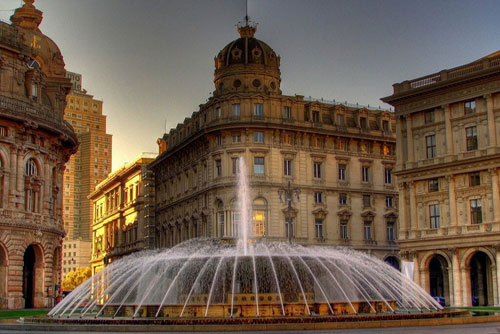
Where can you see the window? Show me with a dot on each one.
(344, 235)
(34, 91)
(221, 221)
(318, 228)
(287, 167)
(475, 211)
(366, 201)
(258, 165)
(474, 179)
(362, 123)
(434, 216)
(3, 131)
(236, 223)
(429, 117)
(341, 119)
(385, 126)
(433, 185)
(236, 110)
(287, 139)
(237, 137)
(365, 172)
(236, 166)
(315, 114)
(318, 197)
(218, 167)
(430, 142)
(343, 199)
(471, 134)
(469, 107)
(257, 110)
(389, 201)
(30, 168)
(342, 172)
(341, 144)
(287, 112)
(258, 137)
(390, 231)
(317, 170)
(388, 176)
(218, 140)
(218, 112)
(367, 230)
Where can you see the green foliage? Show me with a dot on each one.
(74, 278)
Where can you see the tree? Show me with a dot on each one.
(76, 277)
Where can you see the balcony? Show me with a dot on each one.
(20, 110)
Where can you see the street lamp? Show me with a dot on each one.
(289, 192)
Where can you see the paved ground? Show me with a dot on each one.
(486, 328)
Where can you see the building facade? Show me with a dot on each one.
(447, 168)
(340, 156)
(35, 144)
(118, 203)
(88, 167)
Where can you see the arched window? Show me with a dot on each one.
(32, 187)
(259, 217)
(30, 168)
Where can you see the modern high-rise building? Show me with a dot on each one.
(448, 162)
(88, 167)
(339, 155)
(35, 144)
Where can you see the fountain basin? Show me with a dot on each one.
(208, 278)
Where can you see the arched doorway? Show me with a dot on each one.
(393, 262)
(33, 277)
(481, 280)
(439, 280)
(3, 277)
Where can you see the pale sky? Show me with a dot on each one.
(152, 61)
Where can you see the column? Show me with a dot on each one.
(496, 195)
(413, 223)
(416, 269)
(465, 272)
(409, 139)
(452, 199)
(456, 288)
(492, 135)
(497, 266)
(403, 214)
(20, 172)
(13, 174)
(448, 129)
(399, 144)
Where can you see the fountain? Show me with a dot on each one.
(252, 279)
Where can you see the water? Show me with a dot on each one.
(200, 277)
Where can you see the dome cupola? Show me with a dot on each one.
(247, 65)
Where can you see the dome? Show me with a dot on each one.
(247, 64)
(247, 50)
(27, 18)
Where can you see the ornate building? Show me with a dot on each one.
(340, 156)
(118, 225)
(89, 166)
(448, 160)
(35, 144)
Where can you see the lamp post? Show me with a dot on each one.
(289, 193)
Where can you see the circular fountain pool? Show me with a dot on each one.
(209, 278)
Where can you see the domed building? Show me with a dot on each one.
(339, 155)
(35, 144)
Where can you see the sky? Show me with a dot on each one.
(152, 61)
